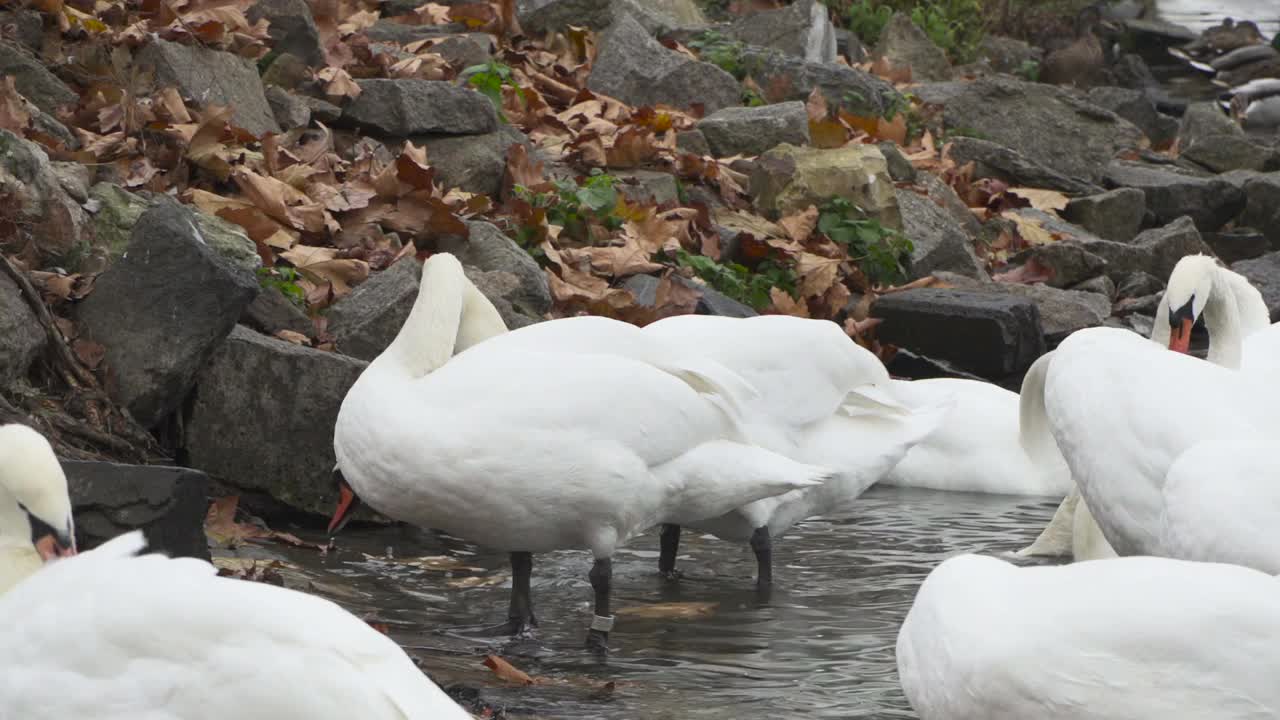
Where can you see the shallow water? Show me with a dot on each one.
(822, 646)
(1199, 14)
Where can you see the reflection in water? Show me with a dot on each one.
(1200, 14)
(821, 646)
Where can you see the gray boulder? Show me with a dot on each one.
(657, 17)
(291, 111)
(162, 309)
(939, 243)
(1048, 124)
(1210, 202)
(1262, 206)
(1202, 119)
(633, 67)
(1155, 251)
(42, 212)
(1264, 273)
(1222, 153)
(1113, 215)
(1233, 245)
(211, 77)
(992, 160)
(255, 427)
(167, 503)
(753, 130)
(28, 27)
(785, 77)
(401, 108)
(801, 29)
(365, 322)
(1063, 312)
(292, 29)
(1139, 284)
(270, 312)
(1067, 263)
(488, 249)
(1136, 107)
(22, 339)
(905, 45)
(33, 81)
(474, 163)
(647, 186)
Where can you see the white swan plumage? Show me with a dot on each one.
(1127, 639)
(531, 450)
(35, 510)
(114, 635)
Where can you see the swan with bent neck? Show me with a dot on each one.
(1241, 338)
(35, 511)
(537, 448)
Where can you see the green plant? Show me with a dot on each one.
(575, 207)
(739, 282)
(488, 79)
(867, 18)
(1030, 69)
(720, 51)
(881, 252)
(284, 279)
(751, 98)
(956, 26)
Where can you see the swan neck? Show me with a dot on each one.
(1222, 320)
(430, 333)
(480, 319)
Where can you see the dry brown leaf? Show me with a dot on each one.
(1030, 230)
(338, 83)
(784, 304)
(1043, 200)
(220, 523)
(14, 114)
(506, 671)
(801, 225)
(670, 611)
(816, 273)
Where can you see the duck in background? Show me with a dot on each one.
(1219, 40)
(1255, 105)
(1080, 62)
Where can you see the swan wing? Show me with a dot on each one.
(1130, 638)
(112, 635)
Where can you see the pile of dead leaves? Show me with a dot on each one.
(325, 208)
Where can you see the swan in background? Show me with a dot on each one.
(110, 634)
(35, 512)
(530, 451)
(1221, 504)
(1128, 639)
(1240, 337)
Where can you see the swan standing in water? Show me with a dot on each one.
(35, 511)
(1128, 639)
(529, 450)
(112, 635)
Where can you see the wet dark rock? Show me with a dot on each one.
(1136, 107)
(905, 45)
(322, 110)
(1114, 215)
(1047, 124)
(647, 186)
(1068, 263)
(401, 108)
(850, 46)
(992, 160)
(255, 426)
(753, 130)
(167, 503)
(1262, 206)
(946, 198)
(1008, 55)
(33, 81)
(1238, 244)
(1100, 285)
(292, 29)
(801, 29)
(900, 168)
(1155, 251)
(1063, 312)
(634, 68)
(395, 32)
(288, 71)
(40, 209)
(464, 50)
(211, 77)
(1131, 71)
(1139, 305)
(1139, 284)
(907, 364)
(162, 309)
(1209, 201)
(939, 242)
(990, 334)
(488, 250)
(1203, 119)
(270, 312)
(712, 302)
(1220, 153)
(21, 337)
(784, 77)
(1264, 273)
(474, 163)
(291, 111)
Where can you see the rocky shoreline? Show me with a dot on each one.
(213, 221)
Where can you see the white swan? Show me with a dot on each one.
(1240, 336)
(112, 635)
(1122, 410)
(981, 446)
(1126, 639)
(35, 511)
(530, 450)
